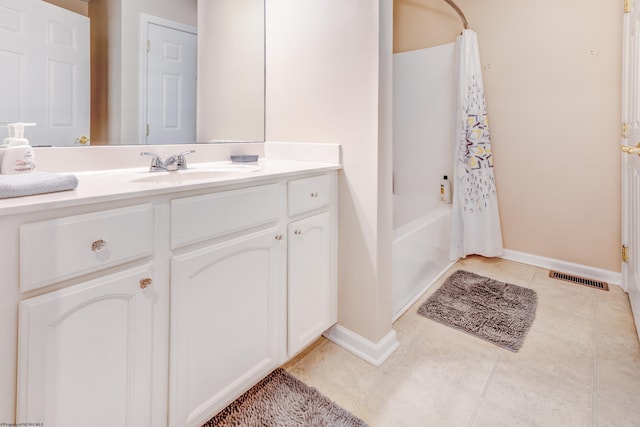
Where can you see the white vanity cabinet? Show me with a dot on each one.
(85, 350)
(71, 246)
(258, 293)
(311, 294)
(160, 310)
(228, 301)
(86, 355)
(312, 289)
(228, 298)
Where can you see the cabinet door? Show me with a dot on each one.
(85, 355)
(228, 322)
(311, 285)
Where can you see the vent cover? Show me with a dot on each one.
(579, 280)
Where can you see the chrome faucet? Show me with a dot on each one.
(172, 163)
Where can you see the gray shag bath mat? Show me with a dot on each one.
(498, 312)
(282, 400)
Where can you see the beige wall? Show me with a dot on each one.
(323, 86)
(105, 70)
(552, 73)
(230, 104)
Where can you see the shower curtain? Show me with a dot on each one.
(475, 217)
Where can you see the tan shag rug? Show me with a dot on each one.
(282, 400)
(498, 312)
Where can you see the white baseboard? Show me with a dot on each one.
(611, 277)
(374, 353)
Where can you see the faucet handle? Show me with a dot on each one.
(181, 161)
(156, 161)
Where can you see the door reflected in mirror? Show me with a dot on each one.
(141, 90)
(168, 99)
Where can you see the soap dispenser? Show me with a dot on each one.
(17, 154)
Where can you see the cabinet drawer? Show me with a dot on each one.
(308, 194)
(199, 218)
(63, 248)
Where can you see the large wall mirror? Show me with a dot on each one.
(133, 71)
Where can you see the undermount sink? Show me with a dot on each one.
(194, 174)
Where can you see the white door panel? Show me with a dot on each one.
(310, 293)
(85, 354)
(44, 70)
(171, 91)
(227, 306)
(631, 162)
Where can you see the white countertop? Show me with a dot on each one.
(120, 184)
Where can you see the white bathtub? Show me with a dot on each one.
(420, 256)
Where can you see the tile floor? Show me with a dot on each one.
(579, 365)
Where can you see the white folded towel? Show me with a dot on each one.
(27, 184)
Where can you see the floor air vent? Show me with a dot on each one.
(579, 280)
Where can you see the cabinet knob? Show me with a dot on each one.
(98, 245)
(315, 195)
(298, 232)
(83, 140)
(145, 283)
(279, 236)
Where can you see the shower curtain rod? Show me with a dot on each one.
(459, 11)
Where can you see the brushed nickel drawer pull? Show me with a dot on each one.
(145, 283)
(98, 245)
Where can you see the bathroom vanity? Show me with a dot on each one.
(149, 299)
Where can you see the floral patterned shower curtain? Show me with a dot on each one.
(475, 216)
